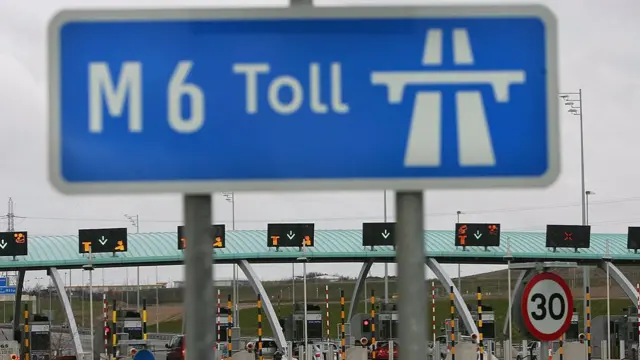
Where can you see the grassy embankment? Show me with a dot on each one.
(248, 317)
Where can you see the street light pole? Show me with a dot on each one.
(303, 258)
(231, 198)
(574, 102)
(386, 264)
(587, 194)
(135, 221)
(458, 213)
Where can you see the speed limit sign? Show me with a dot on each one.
(547, 306)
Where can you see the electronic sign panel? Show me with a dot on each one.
(633, 238)
(568, 236)
(109, 240)
(290, 235)
(378, 234)
(14, 243)
(477, 234)
(218, 238)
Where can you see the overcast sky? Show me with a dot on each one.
(598, 53)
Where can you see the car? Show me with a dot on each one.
(320, 349)
(269, 347)
(176, 348)
(383, 352)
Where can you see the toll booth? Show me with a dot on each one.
(574, 329)
(40, 334)
(129, 322)
(488, 327)
(387, 322)
(488, 322)
(224, 324)
(293, 325)
(623, 327)
(445, 329)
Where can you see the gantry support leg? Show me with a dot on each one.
(66, 306)
(357, 289)
(17, 309)
(461, 306)
(270, 312)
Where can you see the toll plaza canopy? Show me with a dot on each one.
(163, 248)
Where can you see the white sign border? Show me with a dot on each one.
(302, 12)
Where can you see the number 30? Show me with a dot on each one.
(542, 306)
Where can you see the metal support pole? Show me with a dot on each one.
(544, 349)
(304, 300)
(157, 303)
(459, 275)
(199, 287)
(92, 329)
(293, 285)
(510, 336)
(386, 264)
(608, 315)
(586, 271)
(410, 257)
(138, 288)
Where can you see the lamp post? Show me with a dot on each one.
(587, 194)
(135, 221)
(231, 198)
(509, 258)
(573, 101)
(458, 213)
(386, 264)
(304, 259)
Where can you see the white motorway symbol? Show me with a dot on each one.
(547, 306)
(291, 235)
(477, 235)
(424, 145)
(3, 244)
(385, 234)
(103, 240)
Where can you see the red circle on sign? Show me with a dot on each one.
(526, 313)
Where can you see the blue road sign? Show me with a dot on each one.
(3, 281)
(7, 290)
(322, 98)
(144, 355)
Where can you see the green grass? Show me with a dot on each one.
(248, 317)
(79, 308)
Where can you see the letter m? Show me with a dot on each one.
(101, 87)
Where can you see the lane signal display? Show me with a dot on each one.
(218, 237)
(109, 240)
(378, 234)
(633, 238)
(477, 234)
(290, 235)
(14, 243)
(568, 236)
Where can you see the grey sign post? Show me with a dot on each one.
(410, 256)
(199, 290)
